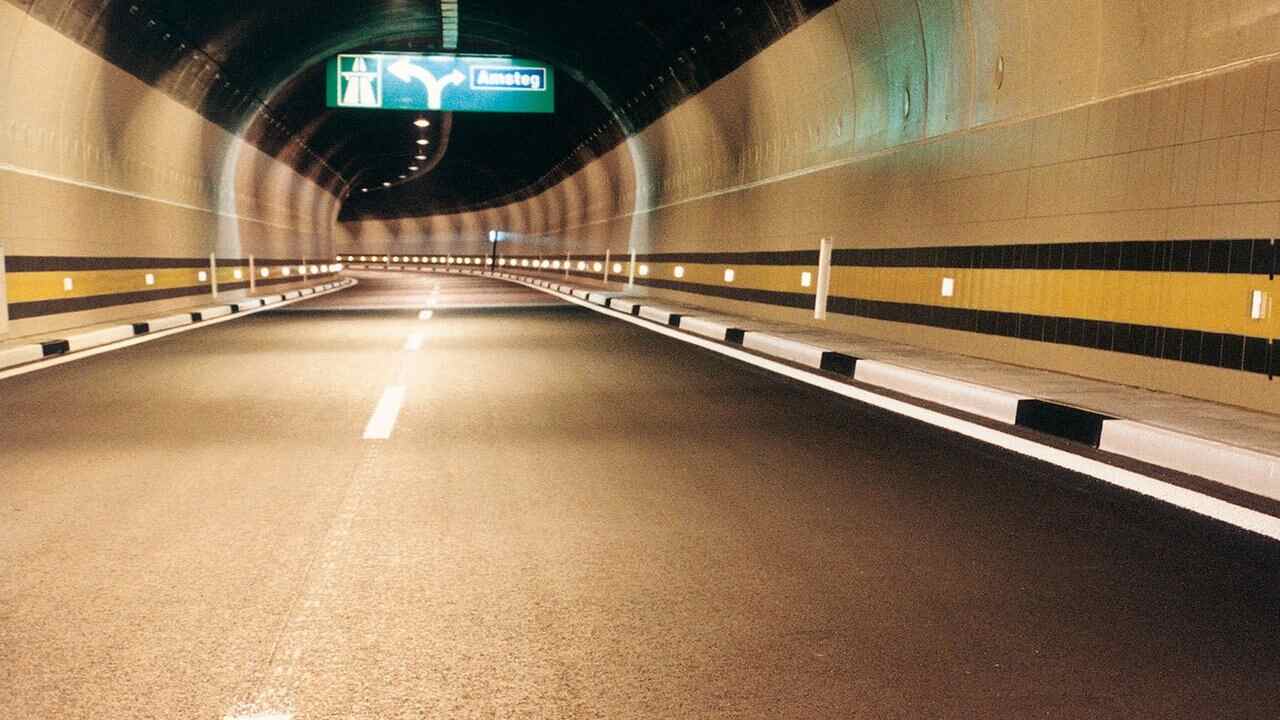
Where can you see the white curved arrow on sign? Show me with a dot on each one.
(407, 71)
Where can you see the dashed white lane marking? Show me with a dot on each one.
(385, 414)
(414, 342)
(274, 692)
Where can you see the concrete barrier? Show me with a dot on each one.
(94, 338)
(799, 352)
(1238, 467)
(20, 355)
(660, 315)
(986, 402)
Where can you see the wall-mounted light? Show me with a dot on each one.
(67, 284)
(678, 271)
(597, 266)
(149, 279)
(806, 279)
(948, 287)
(729, 275)
(1259, 305)
(644, 270)
(265, 272)
(617, 268)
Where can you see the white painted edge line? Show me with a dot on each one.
(1249, 470)
(383, 420)
(214, 315)
(987, 402)
(1200, 503)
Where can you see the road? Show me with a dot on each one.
(572, 517)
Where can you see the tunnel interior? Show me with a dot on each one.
(1095, 186)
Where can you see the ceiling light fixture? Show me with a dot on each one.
(423, 141)
(422, 122)
(413, 168)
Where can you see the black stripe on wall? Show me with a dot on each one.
(1231, 352)
(34, 263)
(1243, 256)
(39, 308)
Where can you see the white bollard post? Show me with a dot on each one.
(253, 276)
(824, 280)
(606, 265)
(631, 271)
(213, 273)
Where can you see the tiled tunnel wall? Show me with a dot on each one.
(114, 195)
(1101, 182)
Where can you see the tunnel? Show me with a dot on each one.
(639, 359)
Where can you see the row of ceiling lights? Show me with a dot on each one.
(419, 153)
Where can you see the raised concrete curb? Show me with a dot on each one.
(1233, 467)
(74, 341)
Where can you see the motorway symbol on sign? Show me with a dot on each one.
(477, 83)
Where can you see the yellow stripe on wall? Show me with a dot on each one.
(1212, 302)
(45, 285)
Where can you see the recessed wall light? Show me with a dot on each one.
(679, 271)
(948, 287)
(644, 270)
(423, 141)
(422, 122)
(413, 168)
(806, 279)
(729, 275)
(617, 267)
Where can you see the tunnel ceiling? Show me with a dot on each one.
(257, 68)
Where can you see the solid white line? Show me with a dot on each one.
(80, 355)
(385, 414)
(414, 342)
(1207, 505)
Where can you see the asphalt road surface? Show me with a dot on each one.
(571, 517)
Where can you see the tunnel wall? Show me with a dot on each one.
(105, 181)
(1101, 181)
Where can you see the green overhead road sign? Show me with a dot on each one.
(460, 83)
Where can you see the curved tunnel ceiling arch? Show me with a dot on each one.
(257, 69)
